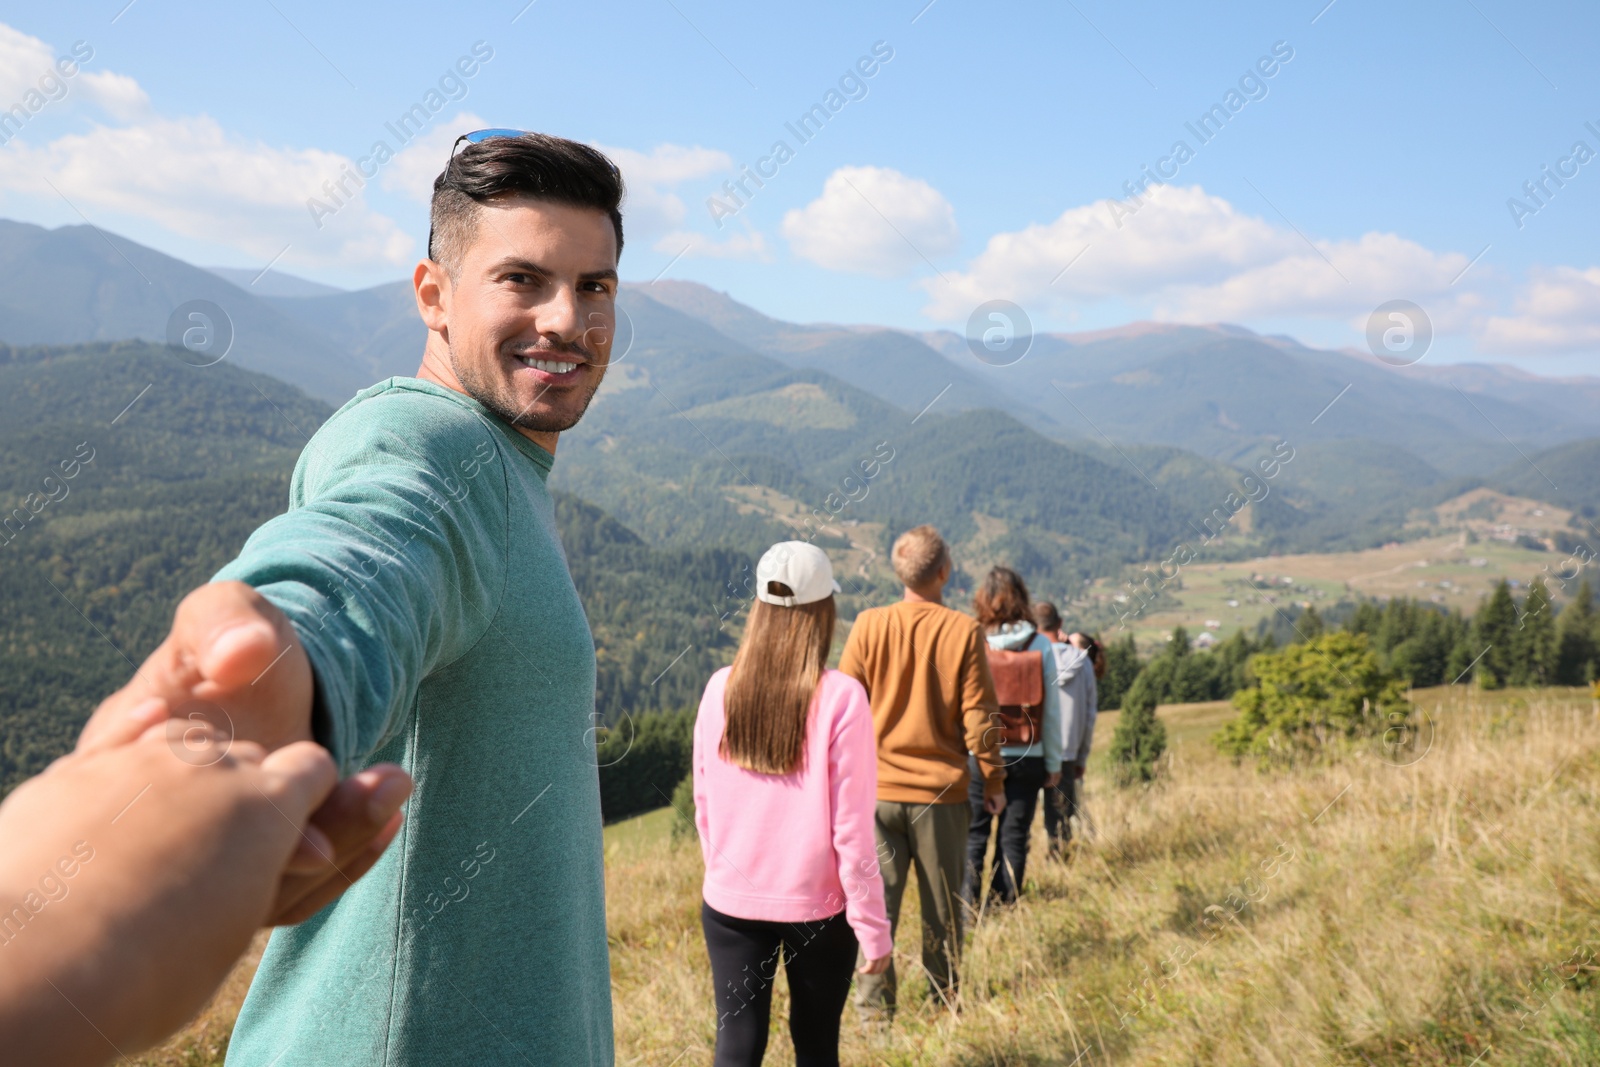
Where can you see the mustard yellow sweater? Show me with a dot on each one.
(927, 677)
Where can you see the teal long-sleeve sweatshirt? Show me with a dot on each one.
(420, 566)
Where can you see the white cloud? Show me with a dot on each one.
(192, 177)
(32, 74)
(23, 61)
(668, 164)
(1557, 311)
(873, 220)
(1336, 279)
(117, 93)
(186, 174)
(412, 170)
(652, 209)
(1193, 256)
(1181, 235)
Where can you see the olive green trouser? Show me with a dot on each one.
(934, 838)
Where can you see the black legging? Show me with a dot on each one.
(819, 958)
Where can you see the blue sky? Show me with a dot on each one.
(989, 153)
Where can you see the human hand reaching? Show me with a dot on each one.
(231, 659)
(232, 662)
(140, 867)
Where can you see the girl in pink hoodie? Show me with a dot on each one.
(785, 791)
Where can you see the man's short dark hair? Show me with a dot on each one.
(534, 165)
(1046, 617)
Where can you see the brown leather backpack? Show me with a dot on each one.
(1019, 687)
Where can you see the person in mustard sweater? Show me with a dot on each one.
(926, 674)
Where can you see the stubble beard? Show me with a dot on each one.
(495, 396)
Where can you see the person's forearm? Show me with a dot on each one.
(983, 742)
(1053, 728)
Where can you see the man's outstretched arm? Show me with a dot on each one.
(390, 565)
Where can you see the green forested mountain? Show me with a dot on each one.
(693, 430)
(1568, 475)
(110, 512)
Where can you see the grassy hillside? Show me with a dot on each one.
(1399, 915)
(1356, 914)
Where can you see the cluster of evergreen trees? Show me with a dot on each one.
(1505, 643)
(1180, 675)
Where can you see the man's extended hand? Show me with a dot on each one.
(232, 660)
(995, 803)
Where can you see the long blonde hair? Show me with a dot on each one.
(775, 676)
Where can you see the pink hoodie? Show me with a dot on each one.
(797, 847)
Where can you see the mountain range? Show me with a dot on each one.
(718, 418)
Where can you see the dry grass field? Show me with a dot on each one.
(1354, 913)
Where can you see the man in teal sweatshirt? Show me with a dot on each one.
(414, 606)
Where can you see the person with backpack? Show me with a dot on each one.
(785, 787)
(1023, 666)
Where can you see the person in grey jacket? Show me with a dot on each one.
(1078, 662)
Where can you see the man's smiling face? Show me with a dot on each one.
(529, 314)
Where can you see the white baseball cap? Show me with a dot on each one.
(799, 565)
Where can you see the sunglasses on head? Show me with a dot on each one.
(480, 136)
(475, 137)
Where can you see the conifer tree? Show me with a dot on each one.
(1534, 647)
(1575, 641)
(1309, 624)
(1494, 631)
(1122, 667)
(1140, 738)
